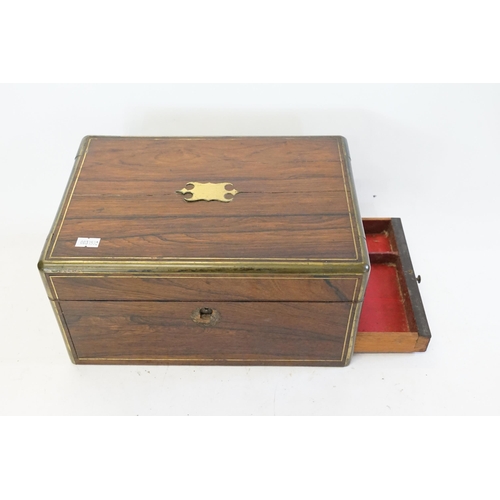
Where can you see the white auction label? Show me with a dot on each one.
(81, 242)
(93, 242)
(88, 242)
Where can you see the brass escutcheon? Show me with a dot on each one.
(208, 191)
(205, 316)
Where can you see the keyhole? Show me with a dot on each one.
(205, 312)
(205, 316)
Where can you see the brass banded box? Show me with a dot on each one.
(237, 250)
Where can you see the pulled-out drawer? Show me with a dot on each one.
(392, 317)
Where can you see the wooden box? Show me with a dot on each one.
(240, 250)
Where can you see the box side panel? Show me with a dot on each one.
(356, 220)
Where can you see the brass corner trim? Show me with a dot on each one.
(208, 191)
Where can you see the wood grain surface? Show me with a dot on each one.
(248, 289)
(294, 200)
(247, 332)
(210, 237)
(373, 342)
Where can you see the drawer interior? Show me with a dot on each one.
(392, 317)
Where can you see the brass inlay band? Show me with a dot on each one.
(202, 267)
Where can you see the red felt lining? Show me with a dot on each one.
(383, 306)
(378, 242)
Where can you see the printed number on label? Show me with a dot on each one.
(88, 242)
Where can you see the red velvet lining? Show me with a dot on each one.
(383, 306)
(378, 242)
(383, 309)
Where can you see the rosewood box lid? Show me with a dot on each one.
(221, 204)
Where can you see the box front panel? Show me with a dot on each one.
(246, 333)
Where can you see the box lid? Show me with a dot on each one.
(225, 204)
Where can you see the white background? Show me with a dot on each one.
(429, 155)
(426, 153)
